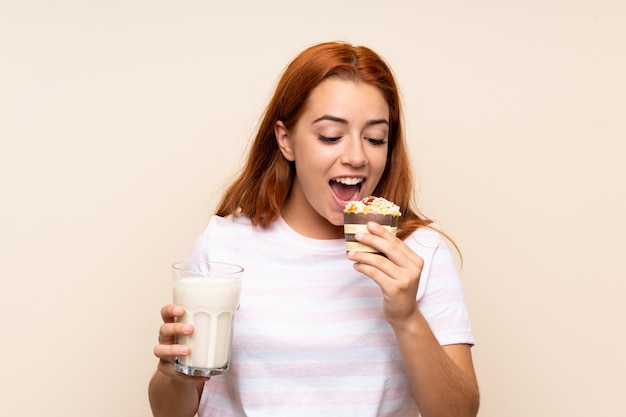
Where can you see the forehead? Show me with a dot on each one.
(346, 99)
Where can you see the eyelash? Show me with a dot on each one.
(328, 139)
(375, 142)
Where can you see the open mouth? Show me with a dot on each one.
(346, 189)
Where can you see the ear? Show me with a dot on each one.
(284, 141)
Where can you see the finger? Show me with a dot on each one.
(399, 264)
(386, 242)
(169, 352)
(373, 272)
(170, 312)
(168, 331)
(376, 232)
(398, 291)
(392, 249)
(379, 230)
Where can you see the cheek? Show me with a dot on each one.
(378, 162)
(314, 161)
(377, 166)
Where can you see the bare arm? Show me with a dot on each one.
(442, 378)
(172, 397)
(172, 393)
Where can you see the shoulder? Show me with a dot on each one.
(238, 228)
(229, 221)
(229, 224)
(225, 238)
(219, 227)
(426, 237)
(439, 270)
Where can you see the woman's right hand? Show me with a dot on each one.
(167, 349)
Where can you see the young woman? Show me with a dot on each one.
(319, 331)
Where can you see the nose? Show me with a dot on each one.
(353, 153)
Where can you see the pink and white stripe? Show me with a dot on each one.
(310, 339)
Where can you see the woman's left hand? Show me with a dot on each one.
(397, 274)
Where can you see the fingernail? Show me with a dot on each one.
(187, 328)
(184, 350)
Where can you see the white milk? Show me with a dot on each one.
(210, 305)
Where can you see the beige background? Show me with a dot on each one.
(120, 121)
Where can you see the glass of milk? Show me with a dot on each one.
(209, 293)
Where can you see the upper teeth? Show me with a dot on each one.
(349, 181)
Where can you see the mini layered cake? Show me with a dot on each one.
(356, 214)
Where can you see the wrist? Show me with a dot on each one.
(412, 323)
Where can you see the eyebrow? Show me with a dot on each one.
(344, 121)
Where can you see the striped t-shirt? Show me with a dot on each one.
(310, 338)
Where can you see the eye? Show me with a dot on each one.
(376, 142)
(328, 139)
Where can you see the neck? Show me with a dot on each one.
(309, 223)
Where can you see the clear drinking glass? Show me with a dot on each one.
(209, 294)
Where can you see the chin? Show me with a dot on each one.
(336, 219)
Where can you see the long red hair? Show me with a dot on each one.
(260, 190)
